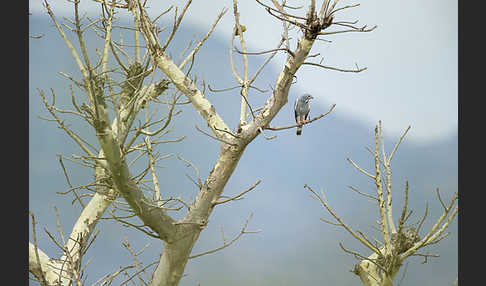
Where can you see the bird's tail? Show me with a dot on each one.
(299, 130)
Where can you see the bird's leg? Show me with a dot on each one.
(306, 120)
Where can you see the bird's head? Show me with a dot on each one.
(307, 97)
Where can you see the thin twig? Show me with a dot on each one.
(134, 226)
(68, 43)
(137, 263)
(440, 200)
(361, 170)
(281, 11)
(176, 24)
(226, 244)
(76, 139)
(260, 129)
(362, 257)
(264, 52)
(404, 209)
(389, 210)
(162, 14)
(342, 8)
(112, 3)
(169, 117)
(110, 277)
(362, 29)
(357, 70)
(307, 122)
(34, 237)
(363, 194)
(214, 137)
(69, 182)
(425, 215)
(267, 60)
(155, 180)
(203, 39)
(363, 241)
(398, 143)
(215, 202)
(223, 89)
(190, 164)
(438, 239)
(330, 222)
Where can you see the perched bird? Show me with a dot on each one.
(301, 110)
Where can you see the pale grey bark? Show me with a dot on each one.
(381, 267)
(173, 260)
(89, 217)
(45, 267)
(178, 237)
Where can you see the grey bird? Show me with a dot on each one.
(301, 110)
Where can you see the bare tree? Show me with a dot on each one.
(381, 267)
(120, 90)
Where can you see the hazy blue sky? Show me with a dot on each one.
(411, 79)
(411, 58)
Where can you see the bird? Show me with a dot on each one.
(301, 110)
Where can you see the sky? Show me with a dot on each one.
(411, 80)
(411, 58)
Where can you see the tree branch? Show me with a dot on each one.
(359, 256)
(35, 267)
(362, 29)
(381, 201)
(404, 209)
(363, 194)
(357, 70)
(296, 125)
(203, 39)
(361, 170)
(237, 196)
(176, 24)
(226, 244)
(363, 241)
(435, 231)
(175, 74)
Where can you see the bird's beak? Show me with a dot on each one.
(311, 97)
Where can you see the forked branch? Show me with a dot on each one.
(359, 238)
(225, 243)
(399, 243)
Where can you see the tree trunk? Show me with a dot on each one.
(177, 249)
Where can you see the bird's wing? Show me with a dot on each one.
(295, 110)
(308, 111)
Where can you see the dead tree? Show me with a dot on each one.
(399, 242)
(113, 104)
